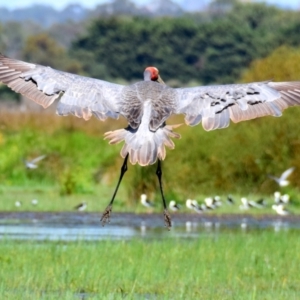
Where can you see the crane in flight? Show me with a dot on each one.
(146, 105)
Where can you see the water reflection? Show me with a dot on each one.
(70, 227)
(48, 232)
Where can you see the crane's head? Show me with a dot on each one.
(152, 74)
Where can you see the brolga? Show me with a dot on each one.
(146, 105)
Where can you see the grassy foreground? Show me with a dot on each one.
(253, 265)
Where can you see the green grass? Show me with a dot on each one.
(232, 265)
(49, 199)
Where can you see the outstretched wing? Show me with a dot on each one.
(216, 105)
(37, 159)
(79, 95)
(287, 173)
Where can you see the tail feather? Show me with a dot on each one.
(144, 147)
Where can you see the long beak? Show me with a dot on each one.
(159, 80)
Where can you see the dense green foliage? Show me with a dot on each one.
(187, 48)
(74, 158)
(44, 50)
(234, 160)
(280, 65)
(215, 45)
(253, 265)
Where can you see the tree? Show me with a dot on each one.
(280, 65)
(44, 50)
(217, 50)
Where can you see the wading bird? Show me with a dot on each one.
(260, 203)
(146, 202)
(18, 203)
(174, 206)
(230, 200)
(281, 199)
(189, 204)
(81, 206)
(245, 204)
(34, 202)
(277, 197)
(280, 209)
(147, 105)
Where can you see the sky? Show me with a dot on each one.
(13, 4)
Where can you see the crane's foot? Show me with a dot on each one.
(106, 215)
(167, 217)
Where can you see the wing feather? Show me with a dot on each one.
(287, 173)
(215, 106)
(79, 95)
(37, 159)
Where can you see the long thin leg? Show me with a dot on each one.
(107, 212)
(167, 216)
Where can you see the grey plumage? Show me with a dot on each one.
(147, 105)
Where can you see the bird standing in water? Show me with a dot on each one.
(81, 206)
(174, 206)
(146, 202)
(146, 105)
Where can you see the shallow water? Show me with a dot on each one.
(87, 226)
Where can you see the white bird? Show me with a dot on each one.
(210, 203)
(32, 164)
(260, 203)
(197, 208)
(18, 203)
(81, 206)
(174, 206)
(193, 205)
(281, 199)
(285, 198)
(34, 201)
(189, 204)
(147, 105)
(146, 202)
(217, 201)
(277, 197)
(280, 209)
(245, 204)
(282, 180)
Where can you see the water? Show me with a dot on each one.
(86, 226)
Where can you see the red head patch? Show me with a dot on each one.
(154, 73)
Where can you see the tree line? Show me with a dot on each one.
(190, 48)
(216, 46)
